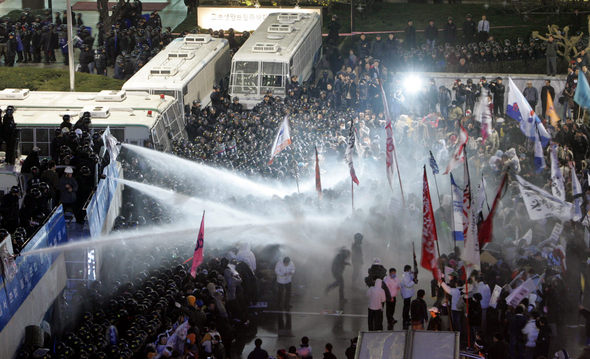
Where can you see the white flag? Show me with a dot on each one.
(541, 204)
(110, 142)
(557, 182)
(459, 154)
(523, 291)
(282, 140)
(495, 296)
(471, 251)
(481, 197)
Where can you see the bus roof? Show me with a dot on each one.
(41, 108)
(277, 38)
(177, 63)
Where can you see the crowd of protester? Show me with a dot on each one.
(66, 177)
(320, 113)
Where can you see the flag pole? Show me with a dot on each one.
(352, 193)
(437, 193)
(399, 177)
(453, 218)
(296, 176)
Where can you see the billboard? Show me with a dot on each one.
(30, 269)
(241, 18)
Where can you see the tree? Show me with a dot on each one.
(103, 11)
(566, 43)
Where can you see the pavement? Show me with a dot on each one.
(319, 316)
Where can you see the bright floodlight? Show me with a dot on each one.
(412, 83)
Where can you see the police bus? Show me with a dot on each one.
(133, 117)
(285, 44)
(186, 69)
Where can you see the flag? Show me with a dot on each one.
(457, 210)
(495, 296)
(282, 140)
(318, 181)
(550, 112)
(429, 258)
(577, 195)
(433, 164)
(487, 226)
(390, 141)
(110, 142)
(541, 204)
(349, 151)
(470, 253)
(466, 198)
(520, 110)
(459, 154)
(582, 95)
(523, 290)
(557, 181)
(481, 198)
(198, 255)
(539, 158)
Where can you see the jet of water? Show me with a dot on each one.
(229, 182)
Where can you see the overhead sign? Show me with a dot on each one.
(241, 18)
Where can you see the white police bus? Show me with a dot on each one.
(285, 44)
(133, 117)
(186, 69)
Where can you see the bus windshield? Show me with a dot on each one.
(244, 78)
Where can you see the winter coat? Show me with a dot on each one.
(376, 296)
(531, 333)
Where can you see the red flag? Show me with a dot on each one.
(318, 180)
(485, 229)
(198, 255)
(429, 258)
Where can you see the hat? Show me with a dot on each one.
(78, 132)
(433, 310)
(68, 170)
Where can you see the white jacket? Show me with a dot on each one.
(486, 294)
(407, 285)
(284, 272)
(532, 332)
(247, 256)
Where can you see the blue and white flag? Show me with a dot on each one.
(520, 110)
(582, 95)
(577, 193)
(457, 210)
(433, 164)
(539, 157)
(557, 181)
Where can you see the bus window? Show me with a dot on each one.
(273, 78)
(245, 77)
(118, 133)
